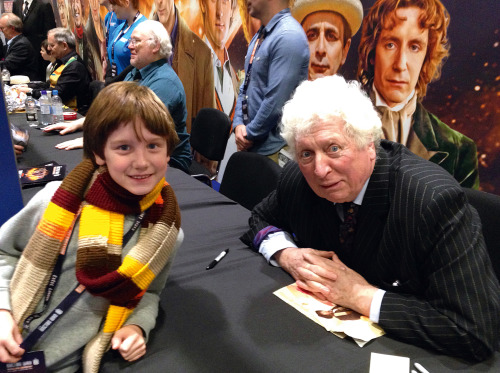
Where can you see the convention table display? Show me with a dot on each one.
(227, 319)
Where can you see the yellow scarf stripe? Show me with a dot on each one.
(56, 221)
(94, 222)
(139, 272)
(116, 228)
(150, 198)
(115, 318)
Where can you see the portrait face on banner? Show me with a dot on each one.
(164, 10)
(77, 12)
(63, 13)
(217, 16)
(399, 56)
(325, 35)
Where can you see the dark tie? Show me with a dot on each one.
(26, 7)
(137, 76)
(348, 227)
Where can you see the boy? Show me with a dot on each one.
(126, 155)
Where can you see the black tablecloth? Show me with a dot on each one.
(41, 149)
(227, 319)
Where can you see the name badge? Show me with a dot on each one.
(31, 362)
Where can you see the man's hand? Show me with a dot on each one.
(65, 127)
(324, 274)
(18, 149)
(240, 134)
(129, 341)
(10, 339)
(71, 144)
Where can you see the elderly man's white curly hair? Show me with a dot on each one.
(320, 100)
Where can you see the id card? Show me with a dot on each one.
(31, 362)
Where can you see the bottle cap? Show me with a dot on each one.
(44, 92)
(55, 92)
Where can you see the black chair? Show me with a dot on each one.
(248, 178)
(209, 134)
(488, 207)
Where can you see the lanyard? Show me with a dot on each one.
(244, 103)
(71, 298)
(122, 31)
(56, 272)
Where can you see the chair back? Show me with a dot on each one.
(488, 207)
(249, 178)
(209, 133)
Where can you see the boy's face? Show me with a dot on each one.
(136, 164)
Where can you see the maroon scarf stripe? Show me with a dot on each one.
(117, 289)
(67, 200)
(108, 195)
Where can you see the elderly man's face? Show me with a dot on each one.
(76, 7)
(165, 10)
(399, 56)
(325, 34)
(333, 166)
(57, 50)
(141, 52)
(6, 29)
(217, 16)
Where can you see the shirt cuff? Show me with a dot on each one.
(273, 243)
(376, 305)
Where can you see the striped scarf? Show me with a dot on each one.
(98, 266)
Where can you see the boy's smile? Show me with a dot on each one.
(136, 158)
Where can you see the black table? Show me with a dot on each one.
(41, 149)
(227, 319)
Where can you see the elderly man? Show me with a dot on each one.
(38, 18)
(329, 26)
(368, 225)
(20, 58)
(190, 59)
(70, 77)
(276, 62)
(150, 48)
(401, 51)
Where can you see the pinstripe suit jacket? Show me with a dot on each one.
(416, 229)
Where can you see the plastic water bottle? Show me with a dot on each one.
(57, 108)
(45, 116)
(31, 110)
(5, 76)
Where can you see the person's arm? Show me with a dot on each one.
(457, 313)
(19, 149)
(17, 56)
(66, 127)
(71, 144)
(14, 236)
(287, 67)
(242, 143)
(10, 338)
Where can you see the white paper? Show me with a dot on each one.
(382, 363)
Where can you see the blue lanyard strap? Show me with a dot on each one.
(71, 298)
